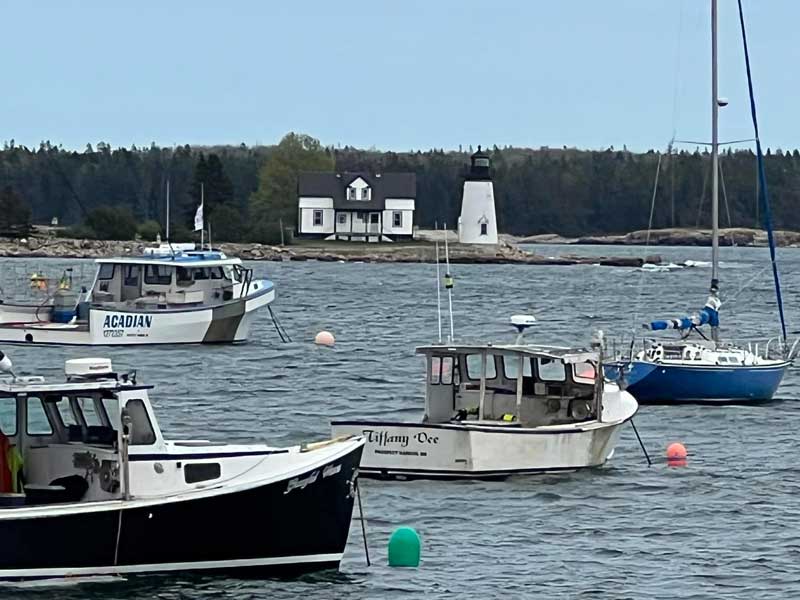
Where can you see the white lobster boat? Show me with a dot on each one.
(171, 295)
(89, 487)
(497, 410)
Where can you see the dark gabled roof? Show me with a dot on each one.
(334, 185)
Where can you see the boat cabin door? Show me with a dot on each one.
(440, 390)
(131, 282)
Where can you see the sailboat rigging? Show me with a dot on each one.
(708, 370)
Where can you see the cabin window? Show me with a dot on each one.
(106, 271)
(143, 433)
(65, 412)
(342, 218)
(550, 369)
(397, 219)
(201, 274)
(89, 410)
(436, 370)
(474, 366)
(183, 276)
(317, 218)
(216, 273)
(8, 416)
(38, 423)
(447, 370)
(157, 275)
(131, 275)
(511, 367)
(194, 473)
(583, 372)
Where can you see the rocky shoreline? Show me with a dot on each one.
(739, 236)
(417, 252)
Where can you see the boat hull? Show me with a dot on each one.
(290, 525)
(227, 323)
(664, 383)
(398, 450)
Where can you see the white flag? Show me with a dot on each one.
(198, 219)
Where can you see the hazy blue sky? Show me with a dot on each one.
(392, 74)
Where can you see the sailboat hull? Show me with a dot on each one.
(666, 383)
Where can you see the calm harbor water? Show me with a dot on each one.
(724, 526)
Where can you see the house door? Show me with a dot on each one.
(374, 223)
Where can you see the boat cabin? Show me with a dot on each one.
(179, 280)
(517, 385)
(693, 353)
(70, 441)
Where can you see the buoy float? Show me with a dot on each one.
(676, 455)
(404, 548)
(324, 338)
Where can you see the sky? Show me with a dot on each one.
(392, 74)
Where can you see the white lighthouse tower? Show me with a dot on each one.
(478, 223)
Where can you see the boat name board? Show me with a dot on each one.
(117, 325)
(300, 483)
(384, 438)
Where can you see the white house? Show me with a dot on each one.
(356, 206)
(478, 222)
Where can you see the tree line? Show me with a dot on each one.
(249, 191)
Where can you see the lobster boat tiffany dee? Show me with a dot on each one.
(89, 487)
(173, 294)
(497, 410)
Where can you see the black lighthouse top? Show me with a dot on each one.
(479, 169)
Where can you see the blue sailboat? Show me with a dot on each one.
(704, 369)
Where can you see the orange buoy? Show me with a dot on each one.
(676, 454)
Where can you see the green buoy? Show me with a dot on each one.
(404, 548)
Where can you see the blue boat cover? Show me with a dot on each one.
(709, 314)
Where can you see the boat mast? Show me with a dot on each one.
(714, 162)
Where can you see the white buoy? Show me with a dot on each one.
(5, 364)
(324, 338)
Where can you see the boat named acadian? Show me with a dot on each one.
(172, 294)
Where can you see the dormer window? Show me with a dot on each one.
(365, 193)
(351, 193)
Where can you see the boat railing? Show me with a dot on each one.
(623, 348)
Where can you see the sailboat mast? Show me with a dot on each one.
(714, 155)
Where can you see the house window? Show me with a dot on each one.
(484, 229)
(397, 219)
(365, 194)
(317, 218)
(373, 218)
(359, 217)
(351, 193)
(342, 218)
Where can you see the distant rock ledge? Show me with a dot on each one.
(416, 252)
(740, 236)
